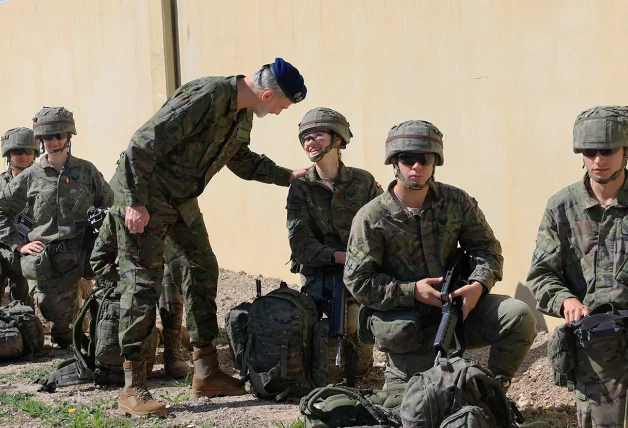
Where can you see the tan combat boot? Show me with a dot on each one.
(174, 362)
(209, 380)
(135, 400)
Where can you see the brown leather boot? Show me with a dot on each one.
(209, 380)
(174, 362)
(135, 400)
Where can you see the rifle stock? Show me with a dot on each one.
(451, 326)
(339, 327)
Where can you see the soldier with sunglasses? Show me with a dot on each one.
(321, 206)
(581, 262)
(397, 255)
(20, 149)
(57, 191)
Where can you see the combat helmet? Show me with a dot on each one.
(602, 127)
(54, 120)
(19, 138)
(414, 135)
(322, 118)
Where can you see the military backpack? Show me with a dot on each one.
(21, 331)
(458, 393)
(277, 359)
(340, 406)
(97, 357)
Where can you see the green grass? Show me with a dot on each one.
(35, 373)
(183, 382)
(296, 424)
(64, 414)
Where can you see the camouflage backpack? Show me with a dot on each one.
(340, 406)
(21, 331)
(457, 393)
(277, 360)
(236, 321)
(98, 358)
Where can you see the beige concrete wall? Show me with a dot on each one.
(503, 80)
(101, 59)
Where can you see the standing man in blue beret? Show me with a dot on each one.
(204, 126)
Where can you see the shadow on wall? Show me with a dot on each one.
(524, 294)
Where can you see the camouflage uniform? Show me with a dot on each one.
(319, 221)
(167, 165)
(392, 247)
(11, 268)
(582, 252)
(56, 203)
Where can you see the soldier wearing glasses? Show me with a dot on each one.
(57, 191)
(20, 149)
(397, 256)
(580, 265)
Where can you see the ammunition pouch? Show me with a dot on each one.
(561, 354)
(36, 267)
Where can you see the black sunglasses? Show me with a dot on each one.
(409, 159)
(19, 152)
(590, 153)
(50, 137)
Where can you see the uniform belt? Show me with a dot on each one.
(72, 245)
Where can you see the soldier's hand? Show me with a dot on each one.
(340, 257)
(297, 173)
(136, 218)
(573, 310)
(425, 292)
(470, 294)
(29, 248)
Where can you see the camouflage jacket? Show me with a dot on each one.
(5, 179)
(581, 251)
(390, 248)
(319, 221)
(56, 199)
(196, 132)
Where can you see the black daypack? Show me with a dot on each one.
(97, 357)
(277, 359)
(21, 331)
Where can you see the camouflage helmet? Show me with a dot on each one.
(602, 127)
(53, 120)
(19, 138)
(325, 119)
(414, 135)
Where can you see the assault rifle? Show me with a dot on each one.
(339, 327)
(451, 325)
(95, 217)
(24, 223)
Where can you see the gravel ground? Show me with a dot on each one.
(532, 389)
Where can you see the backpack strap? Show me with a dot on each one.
(382, 415)
(260, 380)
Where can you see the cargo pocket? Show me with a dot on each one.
(36, 267)
(396, 332)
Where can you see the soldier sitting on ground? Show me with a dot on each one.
(397, 255)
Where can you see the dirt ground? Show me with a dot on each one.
(532, 389)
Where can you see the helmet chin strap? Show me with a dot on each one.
(59, 150)
(410, 184)
(612, 177)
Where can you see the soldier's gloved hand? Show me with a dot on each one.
(573, 310)
(425, 292)
(470, 294)
(297, 173)
(136, 218)
(33, 247)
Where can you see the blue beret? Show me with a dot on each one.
(290, 80)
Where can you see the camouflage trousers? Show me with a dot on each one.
(12, 276)
(602, 382)
(141, 261)
(505, 324)
(57, 297)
